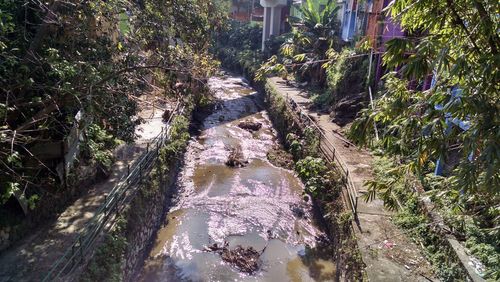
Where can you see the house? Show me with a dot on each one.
(274, 18)
(353, 15)
(378, 29)
(241, 10)
(375, 23)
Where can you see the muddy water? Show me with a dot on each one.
(259, 205)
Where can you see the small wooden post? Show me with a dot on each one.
(81, 249)
(128, 173)
(373, 108)
(356, 207)
(73, 254)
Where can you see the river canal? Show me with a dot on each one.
(259, 205)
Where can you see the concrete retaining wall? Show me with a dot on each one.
(145, 216)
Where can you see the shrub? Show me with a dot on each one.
(345, 76)
(98, 146)
(106, 264)
(320, 181)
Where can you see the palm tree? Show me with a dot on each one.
(307, 45)
(321, 23)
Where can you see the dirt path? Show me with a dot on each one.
(31, 258)
(388, 253)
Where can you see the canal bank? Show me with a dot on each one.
(329, 197)
(387, 252)
(211, 207)
(123, 248)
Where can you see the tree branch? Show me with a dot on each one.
(461, 23)
(493, 37)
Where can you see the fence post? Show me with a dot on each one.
(81, 247)
(73, 255)
(356, 207)
(128, 173)
(105, 203)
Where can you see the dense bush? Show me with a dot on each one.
(345, 76)
(98, 146)
(58, 58)
(177, 141)
(456, 121)
(320, 181)
(238, 46)
(242, 36)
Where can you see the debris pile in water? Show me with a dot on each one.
(245, 259)
(250, 125)
(236, 158)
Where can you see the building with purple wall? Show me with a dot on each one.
(390, 30)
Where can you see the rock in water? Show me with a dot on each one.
(250, 125)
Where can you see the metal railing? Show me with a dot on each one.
(328, 151)
(115, 201)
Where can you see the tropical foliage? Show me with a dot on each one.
(318, 178)
(312, 40)
(61, 59)
(456, 120)
(346, 74)
(238, 46)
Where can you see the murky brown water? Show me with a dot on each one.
(259, 205)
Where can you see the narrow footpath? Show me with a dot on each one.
(31, 258)
(388, 253)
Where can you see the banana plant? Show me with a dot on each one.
(307, 44)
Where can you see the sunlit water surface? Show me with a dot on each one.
(259, 205)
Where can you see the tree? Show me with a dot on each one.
(457, 42)
(59, 57)
(313, 38)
